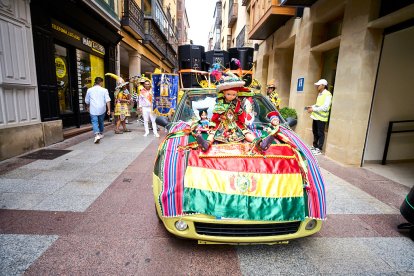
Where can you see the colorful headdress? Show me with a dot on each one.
(118, 79)
(271, 84)
(273, 115)
(120, 82)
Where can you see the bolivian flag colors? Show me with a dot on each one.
(228, 181)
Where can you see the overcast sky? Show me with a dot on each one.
(200, 16)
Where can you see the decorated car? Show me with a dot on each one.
(233, 190)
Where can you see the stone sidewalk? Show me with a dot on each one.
(91, 211)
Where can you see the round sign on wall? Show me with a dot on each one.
(60, 67)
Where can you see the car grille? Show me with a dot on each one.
(246, 230)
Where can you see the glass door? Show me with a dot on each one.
(63, 80)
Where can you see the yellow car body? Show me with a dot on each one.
(192, 220)
(211, 229)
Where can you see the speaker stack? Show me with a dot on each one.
(191, 57)
(217, 56)
(245, 56)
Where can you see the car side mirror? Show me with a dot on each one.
(162, 121)
(291, 121)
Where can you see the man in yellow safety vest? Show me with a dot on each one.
(320, 113)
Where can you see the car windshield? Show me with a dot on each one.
(194, 101)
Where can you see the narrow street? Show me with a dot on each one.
(99, 218)
(271, 137)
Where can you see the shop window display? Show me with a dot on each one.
(89, 67)
(62, 77)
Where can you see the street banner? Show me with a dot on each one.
(165, 88)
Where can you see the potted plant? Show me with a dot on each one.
(290, 115)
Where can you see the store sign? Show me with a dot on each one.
(95, 46)
(70, 36)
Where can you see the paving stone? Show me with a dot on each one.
(20, 201)
(63, 202)
(18, 252)
(83, 187)
(20, 173)
(275, 260)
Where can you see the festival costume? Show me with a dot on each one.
(228, 121)
(122, 108)
(145, 102)
(274, 98)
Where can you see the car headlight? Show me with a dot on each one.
(311, 224)
(181, 225)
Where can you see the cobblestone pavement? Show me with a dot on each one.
(91, 211)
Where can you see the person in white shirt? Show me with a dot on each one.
(320, 114)
(145, 104)
(97, 102)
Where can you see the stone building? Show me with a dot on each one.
(363, 49)
(51, 51)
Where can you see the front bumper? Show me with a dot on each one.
(208, 229)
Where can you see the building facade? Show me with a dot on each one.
(19, 99)
(150, 37)
(235, 25)
(362, 48)
(52, 50)
(183, 25)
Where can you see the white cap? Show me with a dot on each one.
(321, 81)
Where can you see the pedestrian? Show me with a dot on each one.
(320, 113)
(145, 99)
(122, 101)
(96, 99)
(272, 93)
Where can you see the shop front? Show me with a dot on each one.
(69, 56)
(78, 61)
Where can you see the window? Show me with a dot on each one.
(89, 67)
(228, 41)
(62, 77)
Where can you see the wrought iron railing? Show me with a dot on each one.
(245, 2)
(241, 39)
(154, 36)
(133, 17)
(233, 11)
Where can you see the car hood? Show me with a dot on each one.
(235, 181)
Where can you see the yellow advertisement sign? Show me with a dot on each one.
(60, 67)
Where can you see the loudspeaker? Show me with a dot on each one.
(190, 80)
(244, 54)
(217, 56)
(191, 57)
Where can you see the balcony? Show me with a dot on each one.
(172, 40)
(267, 16)
(241, 38)
(233, 10)
(172, 56)
(245, 2)
(298, 3)
(154, 37)
(155, 40)
(217, 15)
(133, 19)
